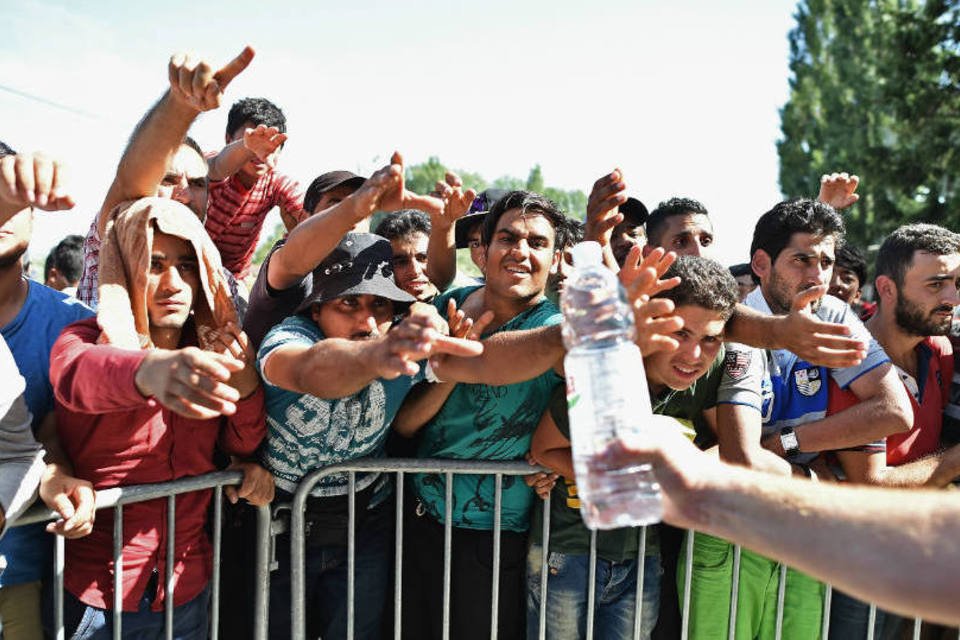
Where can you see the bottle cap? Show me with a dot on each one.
(586, 254)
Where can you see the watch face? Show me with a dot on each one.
(789, 441)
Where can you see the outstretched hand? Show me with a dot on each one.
(385, 191)
(644, 277)
(838, 190)
(456, 201)
(263, 142)
(190, 382)
(422, 334)
(196, 85)
(818, 342)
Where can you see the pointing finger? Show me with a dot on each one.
(233, 68)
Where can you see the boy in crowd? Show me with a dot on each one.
(241, 199)
(704, 299)
(849, 278)
(64, 265)
(743, 274)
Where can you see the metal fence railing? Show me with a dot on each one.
(116, 498)
(268, 527)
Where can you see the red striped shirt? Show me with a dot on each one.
(235, 215)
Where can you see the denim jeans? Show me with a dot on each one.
(190, 621)
(326, 583)
(614, 599)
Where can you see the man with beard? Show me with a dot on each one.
(918, 267)
(793, 253)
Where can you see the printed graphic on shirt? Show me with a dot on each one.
(736, 363)
(808, 380)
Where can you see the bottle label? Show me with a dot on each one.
(606, 395)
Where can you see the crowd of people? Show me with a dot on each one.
(155, 350)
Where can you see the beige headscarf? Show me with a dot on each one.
(125, 264)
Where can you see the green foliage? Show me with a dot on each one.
(421, 178)
(875, 90)
(267, 243)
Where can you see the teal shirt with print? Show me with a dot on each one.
(483, 422)
(305, 433)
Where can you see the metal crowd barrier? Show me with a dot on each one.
(116, 498)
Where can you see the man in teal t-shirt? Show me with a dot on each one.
(491, 415)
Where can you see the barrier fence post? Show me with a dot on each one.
(117, 572)
(497, 522)
(171, 552)
(261, 594)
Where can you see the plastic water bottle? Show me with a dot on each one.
(607, 395)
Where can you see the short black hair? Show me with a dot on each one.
(703, 283)
(67, 258)
(742, 269)
(256, 111)
(527, 202)
(399, 224)
(573, 232)
(849, 257)
(667, 209)
(799, 215)
(896, 252)
(6, 150)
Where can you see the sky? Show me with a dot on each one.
(683, 96)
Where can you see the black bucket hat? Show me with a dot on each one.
(361, 264)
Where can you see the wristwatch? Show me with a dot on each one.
(789, 442)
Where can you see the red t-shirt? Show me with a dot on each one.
(935, 368)
(117, 437)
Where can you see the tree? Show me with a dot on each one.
(874, 91)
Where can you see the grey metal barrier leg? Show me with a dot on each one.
(734, 592)
(495, 595)
(917, 626)
(217, 536)
(447, 559)
(261, 594)
(827, 600)
(351, 551)
(688, 576)
(871, 621)
(58, 554)
(297, 563)
(641, 570)
(592, 583)
(171, 550)
(781, 595)
(117, 571)
(543, 568)
(398, 563)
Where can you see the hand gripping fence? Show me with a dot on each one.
(116, 498)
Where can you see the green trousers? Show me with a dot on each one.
(756, 599)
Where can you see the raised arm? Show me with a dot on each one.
(194, 87)
(607, 194)
(337, 368)
(817, 342)
(313, 239)
(261, 142)
(31, 180)
(847, 536)
(442, 246)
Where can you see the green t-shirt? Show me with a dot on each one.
(568, 534)
(482, 422)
